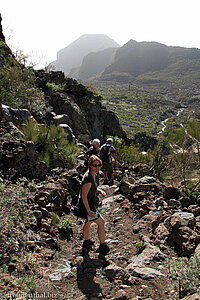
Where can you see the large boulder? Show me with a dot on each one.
(67, 105)
(16, 116)
(20, 159)
(181, 232)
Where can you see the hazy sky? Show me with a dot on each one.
(43, 27)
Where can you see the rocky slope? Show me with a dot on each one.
(147, 223)
(78, 107)
(64, 100)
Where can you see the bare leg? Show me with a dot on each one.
(101, 229)
(86, 230)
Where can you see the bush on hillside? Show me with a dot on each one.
(159, 158)
(17, 86)
(128, 153)
(51, 143)
(185, 274)
(55, 87)
(184, 158)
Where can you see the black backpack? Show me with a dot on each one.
(106, 153)
(75, 191)
(79, 210)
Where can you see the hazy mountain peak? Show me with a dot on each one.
(72, 55)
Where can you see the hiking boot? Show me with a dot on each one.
(105, 181)
(111, 182)
(103, 249)
(85, 253)
(87, 244)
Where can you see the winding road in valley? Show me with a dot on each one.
(181, 110)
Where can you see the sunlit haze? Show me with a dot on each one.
(41, 28)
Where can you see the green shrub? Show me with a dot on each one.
(31, 130)
(93, 89)
(139, 245)
(193, 191)
(51, 143)
(13, 214)
(9, 98)
(66, 224)
(187, 271)
(184, 161)
(159, 158)
(129, 154)
(66, 228)
(18, 90)
(69, 153)
(193, 128)
(55, 218)
(16, 79)
(55, 87)
(28, 283)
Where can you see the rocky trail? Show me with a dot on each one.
(127, 272)
(148, 222)
(135, 267)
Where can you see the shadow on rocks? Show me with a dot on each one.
(86, 273)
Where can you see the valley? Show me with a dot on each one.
(146, 107)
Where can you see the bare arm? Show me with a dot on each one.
(115, 159)
(85, 189)
(99, 191)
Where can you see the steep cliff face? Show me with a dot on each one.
(81, 107)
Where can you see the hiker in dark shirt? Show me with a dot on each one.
(108, 154)
(94, 149)
(89, 206)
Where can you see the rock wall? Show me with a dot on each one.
(80, 106)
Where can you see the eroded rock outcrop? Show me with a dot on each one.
(83, 110)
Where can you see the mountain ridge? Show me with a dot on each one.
(125, 63)
(136, 58)
(71, 56)
(94, 63)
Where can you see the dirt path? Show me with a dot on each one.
(71, 276)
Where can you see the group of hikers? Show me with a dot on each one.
(107, 154)
(97, 157)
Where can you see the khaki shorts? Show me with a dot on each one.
(108, 167)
